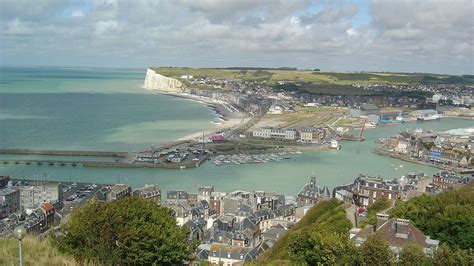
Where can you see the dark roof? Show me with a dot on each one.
(369, 106)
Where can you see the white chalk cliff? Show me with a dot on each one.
(155, 81)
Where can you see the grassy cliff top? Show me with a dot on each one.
(274, 75)
(35, 252)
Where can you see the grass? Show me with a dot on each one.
(35, 252)
(328, 83)
(345, 122)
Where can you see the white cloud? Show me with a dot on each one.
(402, 35)
(77, 14)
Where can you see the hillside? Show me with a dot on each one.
(35, 252)
(448, 217)
(326, 217)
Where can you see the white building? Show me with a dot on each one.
(274, 133)
(32, 196)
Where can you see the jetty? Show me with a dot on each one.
(117, 154)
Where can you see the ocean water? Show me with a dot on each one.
(110, 111)
(90, 110)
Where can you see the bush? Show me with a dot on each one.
(127, 231)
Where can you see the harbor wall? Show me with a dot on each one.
(155, 81)
(64, 153)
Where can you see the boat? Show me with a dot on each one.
(429, 118)
(400, 117)
(370, 125)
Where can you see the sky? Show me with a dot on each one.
(432, 36)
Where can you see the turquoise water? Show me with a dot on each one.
(90, 110)
(125, 119)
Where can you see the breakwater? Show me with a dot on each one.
(64, 153)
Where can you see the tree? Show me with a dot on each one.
(412, 254)
(445, 256)
(320, 248)
(375, 251)
(448, 217)
(127, 231)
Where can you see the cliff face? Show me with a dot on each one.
(155, 81)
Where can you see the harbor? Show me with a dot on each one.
(238, 159)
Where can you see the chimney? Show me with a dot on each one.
(381, 219)
(402, 227)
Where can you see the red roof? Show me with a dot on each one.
(47, 206)
(218, 137)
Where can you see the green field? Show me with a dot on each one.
(315, 81)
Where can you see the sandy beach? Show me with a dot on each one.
(228, 118)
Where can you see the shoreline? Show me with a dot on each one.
(228, 119)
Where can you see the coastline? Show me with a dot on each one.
(228, 119)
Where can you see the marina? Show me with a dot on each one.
(237, 159)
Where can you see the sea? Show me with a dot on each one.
(107, 109)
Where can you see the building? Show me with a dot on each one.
(274, 133)
(32, 196)
(396, 233)
(9, 201)
(218, 139)
(312, 135)
(119, 191)
(149, 192)
(265, 133)
(366, 190)
(446, 180)
(311, 193)
(4, 181)
(231, 255)
(369, 109)
(176, 196)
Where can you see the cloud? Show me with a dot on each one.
(429, 36)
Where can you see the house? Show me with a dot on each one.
(396, 233)
(312, 135)
(218, 139)
(311, 193)
(36, 193)
(446, 180)
(149, 192)
(119, 191)
(9, 201)
(366, 190)
(49, 213)
(231, 255)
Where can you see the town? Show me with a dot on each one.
(231, 227)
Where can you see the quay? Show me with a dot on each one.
(42, 162)
(117, 154)
(115, 164)
(460, 170)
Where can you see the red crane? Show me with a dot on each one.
(362, 129)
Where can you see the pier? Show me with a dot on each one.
(117, 154)
(43, 162)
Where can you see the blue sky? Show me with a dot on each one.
(338, 35)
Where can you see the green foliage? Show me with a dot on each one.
(445, 256)
(448, 217)
(379, 205)
(412, 254)
(127, 231)
(323, 221)
(375, 251)
(327, 248)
